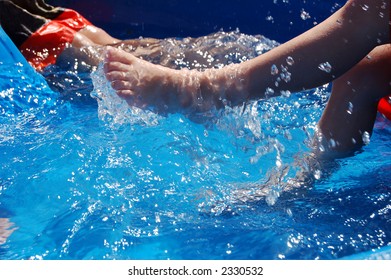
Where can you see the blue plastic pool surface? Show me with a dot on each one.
(86, 177)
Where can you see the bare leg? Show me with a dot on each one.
(88, 43)
(348, 119)
(163, 84)
(146, 48)
(6, 229)
(85, 47)
(94, 35)
(341, 41)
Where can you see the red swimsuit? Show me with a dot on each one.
(44, 46)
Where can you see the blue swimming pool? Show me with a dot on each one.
(83, 176)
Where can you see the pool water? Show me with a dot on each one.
(84, 176)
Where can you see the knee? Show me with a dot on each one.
(98, 35)
(371, 77)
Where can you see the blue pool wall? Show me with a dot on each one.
(9, 53)
(279, 20)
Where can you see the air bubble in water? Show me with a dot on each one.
(326, 67)
(365, 7)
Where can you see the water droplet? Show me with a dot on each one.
(317, 174)
(281, 256)
(366, 138)
(304, 15)
(350, 108)
(332, 142)
(285, 93)
(290, 60)
(274, 70)
(270, 18)
(326, 67)
(285, 76)
(365, 7)
(269, 92)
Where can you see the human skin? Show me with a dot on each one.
(335, 49)
(348, 119)
(6, 229)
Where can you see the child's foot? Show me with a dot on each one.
(144, 84)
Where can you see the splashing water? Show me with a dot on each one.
(304, 15)
(212, 51)
(325, 67)
(253, 122)
(365, 7)
(274, 70)
(115, 111)
(290, 61)
(102, 180)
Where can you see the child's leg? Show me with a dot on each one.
(6, 229)
(348, 119)
(97, 36)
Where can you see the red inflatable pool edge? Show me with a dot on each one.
(384, 107)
